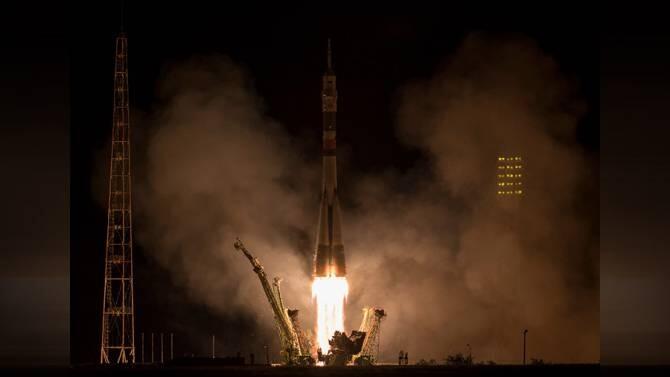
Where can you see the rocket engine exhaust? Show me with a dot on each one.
(330, 294)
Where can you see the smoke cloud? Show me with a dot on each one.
(455, 264)
(450, 261)
(217, 169)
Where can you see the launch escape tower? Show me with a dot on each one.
(118, 322)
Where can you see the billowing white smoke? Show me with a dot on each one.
(217, 169)
(453, 263)
(450, 262)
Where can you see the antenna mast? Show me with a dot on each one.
(118, 321)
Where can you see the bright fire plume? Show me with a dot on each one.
(330, 294)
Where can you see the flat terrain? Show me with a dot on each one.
(412, 370)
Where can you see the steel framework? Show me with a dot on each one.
(118, 322)
(370, 325)
(292, 350)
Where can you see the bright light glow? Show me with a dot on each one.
(330, 294)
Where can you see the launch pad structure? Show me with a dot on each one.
(358, 348)
(293, 351)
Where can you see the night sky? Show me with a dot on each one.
(634, 204)
(34, 273)
(374, 57)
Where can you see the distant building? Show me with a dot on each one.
(509, 172)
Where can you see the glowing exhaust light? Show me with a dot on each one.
(330, 294)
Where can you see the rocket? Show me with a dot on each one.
(329, 254)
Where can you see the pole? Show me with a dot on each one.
(161, 348)
(524, 346)
(171, 346)
(213, 349)
(152, 348)
(469, 352)
(142, 336)
(267, 354)
(379, 340)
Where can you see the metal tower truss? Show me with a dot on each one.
(118, 322)
(292, 350)
(371, 323)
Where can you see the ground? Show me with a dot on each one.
(223, 371)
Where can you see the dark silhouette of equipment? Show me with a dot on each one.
(525, 331)
(343, 348)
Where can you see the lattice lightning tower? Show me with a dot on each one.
(118, 322)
